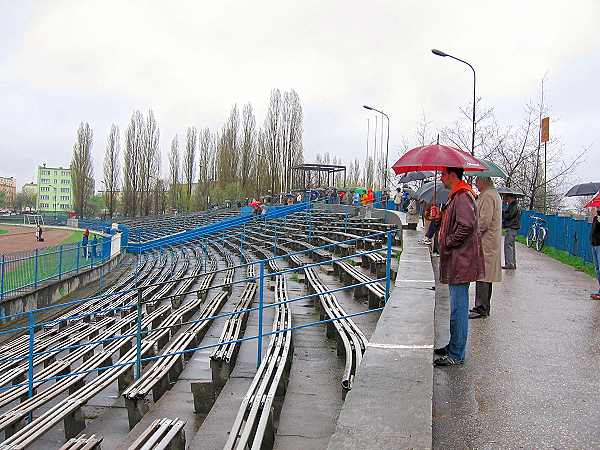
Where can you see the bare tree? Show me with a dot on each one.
(159, 196)
(82, 173)
(261, 169)
(150, 160)
(174, 179)
(291, 136)
(189, 165)
(516, 148)
(134, 149)
(248, 146)
(112, 169)
(228, 149)
(206, 150)
(272, 130)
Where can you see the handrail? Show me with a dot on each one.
(258, 261)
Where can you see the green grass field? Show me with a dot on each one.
(50, 261)
(3, 231)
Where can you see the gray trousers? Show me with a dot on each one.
(483, 295)
(510, 259)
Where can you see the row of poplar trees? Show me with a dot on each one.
(205, 166)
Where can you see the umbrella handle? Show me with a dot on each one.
(434, 186)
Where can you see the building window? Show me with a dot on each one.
(64, 206)
(44, 181)
(64, 197)
(44, 197)
(65, 181)
(64, 190)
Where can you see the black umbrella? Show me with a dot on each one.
(414, 176)
(425, 193)
(510, 191)
(581, 190)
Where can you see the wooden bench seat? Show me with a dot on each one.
(162, 434)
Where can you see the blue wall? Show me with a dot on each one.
(564, 233)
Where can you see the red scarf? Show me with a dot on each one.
(461, 186)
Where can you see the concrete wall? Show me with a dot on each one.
(389, 406)
(50, 294)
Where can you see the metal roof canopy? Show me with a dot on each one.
(329, 169)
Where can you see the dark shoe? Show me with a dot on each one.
(441, 351)
(508, 267)
(477, 314)
(446, 361)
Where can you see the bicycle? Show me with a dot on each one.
(537, 233)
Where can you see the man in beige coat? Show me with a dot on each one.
(489, 206)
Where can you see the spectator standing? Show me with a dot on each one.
(595, 241)
(412, 214)
(84, 242)
(405, 201)
(461, 261)
(511, 222)
(95, 247)
(489, 208)
(398, 199)
(356, 198)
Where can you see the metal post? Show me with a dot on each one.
(261, 293)
(78, 255)
(35, 269)
(60, 253)
(2, 279)
(31, 326)
(138, 336)
(346, 218)
(275, 243)
(545, 184)
(388, 266)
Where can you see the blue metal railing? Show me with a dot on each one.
(273, 212)
(32, 325)
(24, 271)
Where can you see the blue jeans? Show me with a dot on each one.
(596, 256)
(459, 320)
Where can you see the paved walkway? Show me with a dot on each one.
(532, 376)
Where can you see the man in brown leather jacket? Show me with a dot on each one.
(461, 260)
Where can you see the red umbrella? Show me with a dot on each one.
(595, 202)
(436, 157)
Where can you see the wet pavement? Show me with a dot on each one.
(531, 378)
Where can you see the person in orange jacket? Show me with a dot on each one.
(370, 197)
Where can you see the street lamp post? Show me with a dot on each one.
(444, 54)
(387, 145)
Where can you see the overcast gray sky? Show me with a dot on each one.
(62, 62)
